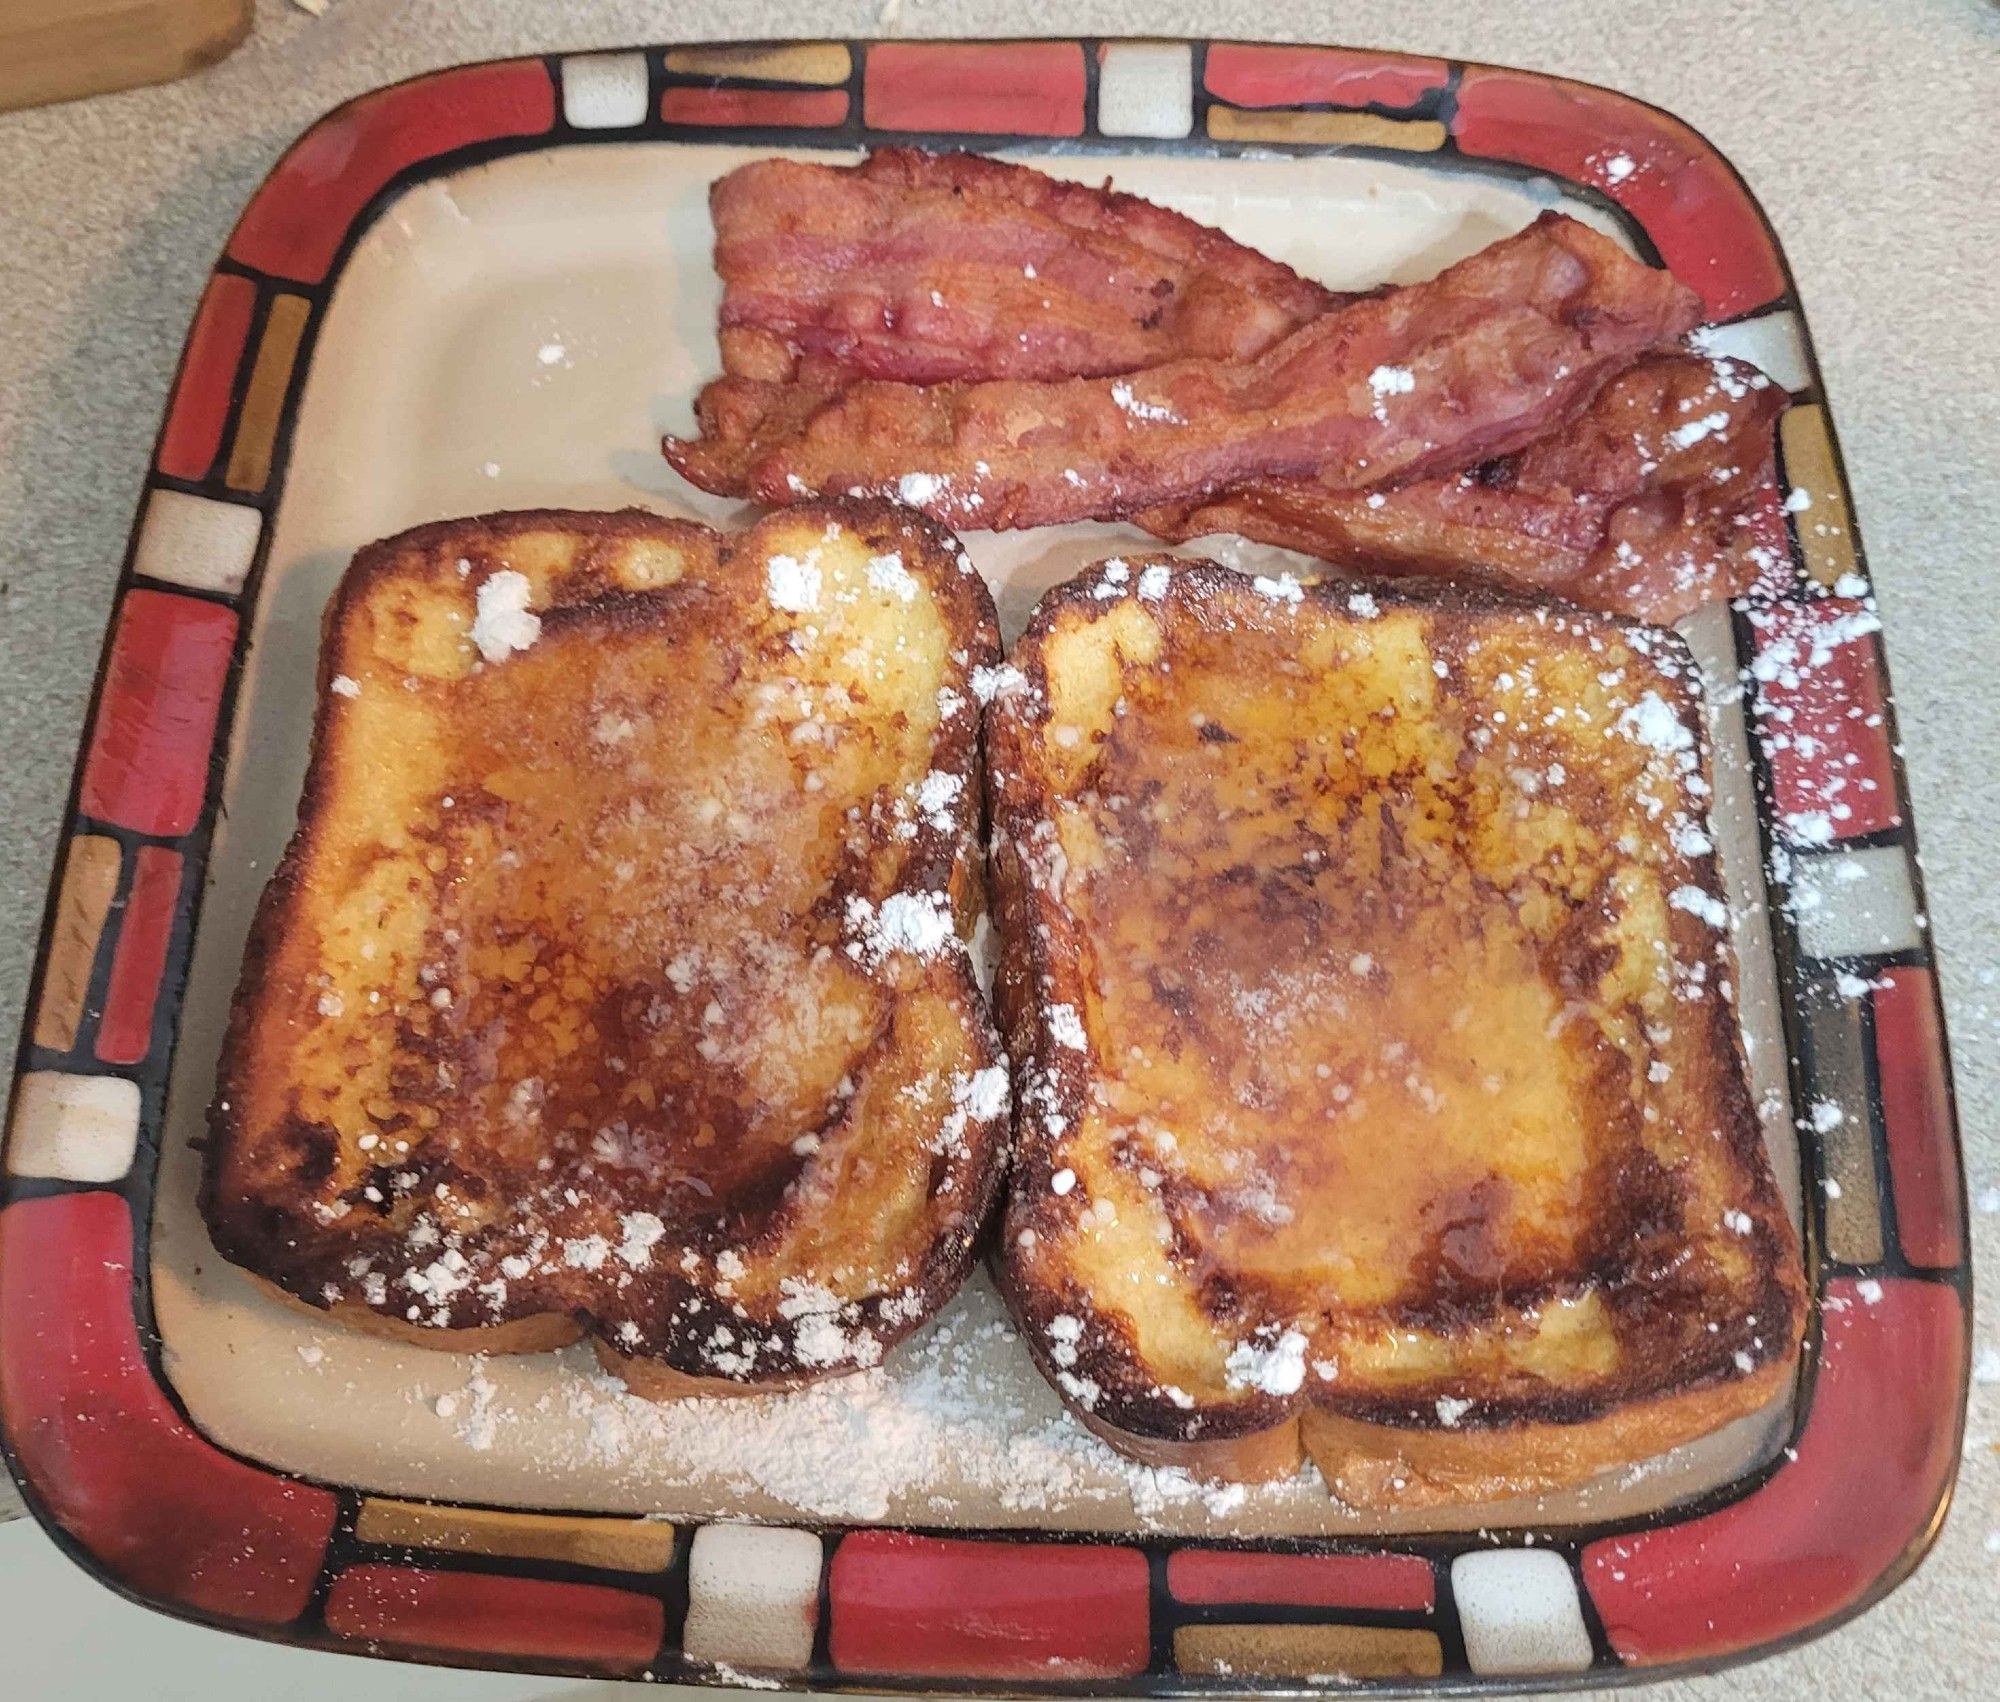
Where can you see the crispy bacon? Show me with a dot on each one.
(1478, 362)
(742, 420)
(924, 268)
(1637, 506)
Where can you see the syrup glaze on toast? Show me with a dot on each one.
(1380, 1092)
(615, 980)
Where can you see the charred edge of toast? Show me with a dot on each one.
(279, 1241)
(1041, 954)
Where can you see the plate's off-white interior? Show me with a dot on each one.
(519, 334)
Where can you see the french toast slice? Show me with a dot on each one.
(616, 981)
(1379, 1090)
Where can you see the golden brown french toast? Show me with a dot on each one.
(616, 979)
(1379, 1090)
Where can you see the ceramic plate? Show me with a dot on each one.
(490, 288)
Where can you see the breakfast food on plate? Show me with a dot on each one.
(930, 267)
(1379, 1089)
(615, 982)
(978, 287)
(927, 267)
(1478, 361)
(1638, 506)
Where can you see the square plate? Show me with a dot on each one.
(490, 287)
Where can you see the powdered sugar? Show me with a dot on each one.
(1141, 409)
(641, 1232)
(935, 795)
(1066, 1028)
(1687, 436)
(1273, 1367)
(915, 922)
(998, 681)
(791, 584)
(1652, 722)
(887, 573)
(1695, 902)
(502, 622)
(1391, 381)
(953, 1413)
(825, 1331)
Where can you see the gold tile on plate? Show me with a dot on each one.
(89, 882)
(1347, 129)
(620, 1545)
(1826, 531)
(1298, 1651)
(264, 401)
(821, 63)
(1837, 1113)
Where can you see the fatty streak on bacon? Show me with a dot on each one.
(1478, 362)
(1636, 507)
(926, 268)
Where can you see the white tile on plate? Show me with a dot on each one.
(1775, 343)
(1519, 1611)
(73, 1128)
(753, 1596)
(1146, 88)
(1856, 903)
(197, 541)
(605, 91)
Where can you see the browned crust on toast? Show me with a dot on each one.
(543, 1333)
(1401, 1466)
(1453, 1380)
(523, 1149)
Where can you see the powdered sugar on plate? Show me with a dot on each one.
(947, 1417)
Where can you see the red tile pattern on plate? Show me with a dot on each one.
(1027, 88)
(125, 1031)
(587, 1625)
(804, 109)
(147, 768)
(933, 1606)
(1396, 1581)
(298, 219)
(1699, 215)
(1916, 1111)
(1873, 1461)
(1818, 711)
(164, 1512)
(200, 406)
(1256, 74)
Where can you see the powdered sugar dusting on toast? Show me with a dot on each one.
(1374, 877)
(629, 1040)
(503, 622)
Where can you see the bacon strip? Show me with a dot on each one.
(926, 268)
(741, 421)
(1478, 362)
(1637, 506)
